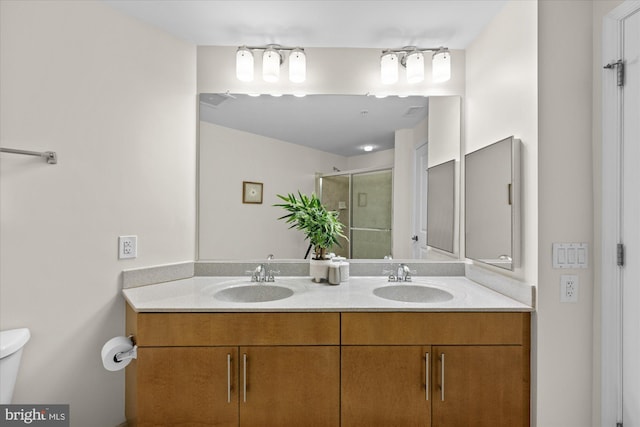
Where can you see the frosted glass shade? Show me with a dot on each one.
(297, 66)
(271, 65)
(389, 68)
(415, 67)
(244, 64)
(441, 66)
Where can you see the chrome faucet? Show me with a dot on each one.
(262, 273)
(404, 273)
(399, 273)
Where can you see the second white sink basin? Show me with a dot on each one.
(253, 293)
(412, 293)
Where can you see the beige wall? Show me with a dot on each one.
(230, 229)
(116, 99)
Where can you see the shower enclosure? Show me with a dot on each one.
(364, 200)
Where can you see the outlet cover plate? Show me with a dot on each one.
(127, 247)
(568, 288)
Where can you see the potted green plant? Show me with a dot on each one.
(320, 226)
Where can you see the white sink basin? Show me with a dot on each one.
(412, 293)
(253, 293)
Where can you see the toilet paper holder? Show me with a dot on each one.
(126, 355)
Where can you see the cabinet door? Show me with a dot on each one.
(187, 386)
(480, 386)
(386, 386)
(290, 386)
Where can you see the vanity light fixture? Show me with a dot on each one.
(412, 58)
(272, 59)
(368, 148)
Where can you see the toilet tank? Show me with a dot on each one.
(11, 344)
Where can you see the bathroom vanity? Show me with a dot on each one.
(326, 356)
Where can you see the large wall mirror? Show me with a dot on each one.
(492, 204)
(315, 144)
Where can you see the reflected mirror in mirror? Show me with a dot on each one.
(492, 197)
(285, 143)
(440, 206)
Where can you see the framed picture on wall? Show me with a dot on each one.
(251, 192)
(362, 199)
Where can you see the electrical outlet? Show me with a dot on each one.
(568, 288)
(127, 247)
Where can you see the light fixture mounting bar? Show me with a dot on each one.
(409, 49)
(272, 46)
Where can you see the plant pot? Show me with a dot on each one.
(319, 269)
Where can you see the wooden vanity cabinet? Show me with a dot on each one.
(435, 369)
(184, 386)
(329, 369)
(234, 369)
(385, 386)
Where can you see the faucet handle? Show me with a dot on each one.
(270, 275)
(391, 275)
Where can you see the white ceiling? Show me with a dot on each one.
(324, 23)
(339, 124)
(311, 23)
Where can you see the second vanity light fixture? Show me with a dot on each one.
(272, 59)
(412, 58)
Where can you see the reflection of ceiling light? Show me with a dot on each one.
(381, 95)
(255, 95)
(276, 95)
(272, 59)
(412, 59)
(299, 95)
(368, 148)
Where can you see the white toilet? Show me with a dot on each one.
(12, 342)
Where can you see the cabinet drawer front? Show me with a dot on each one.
(435, 328)
(220, 329)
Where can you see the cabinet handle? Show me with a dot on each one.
(244, 375)
(442, 377)
(426, 375)
(228, 378)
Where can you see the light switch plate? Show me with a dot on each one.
(570, 255)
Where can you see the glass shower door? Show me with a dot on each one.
(371, 218)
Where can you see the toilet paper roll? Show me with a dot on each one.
(112, 347)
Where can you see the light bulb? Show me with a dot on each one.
(415, 67)
(271, 65)
(441, 63)
(244, 64)
(297, 66)
(388, 68)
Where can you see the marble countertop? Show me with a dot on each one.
(196, 294)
